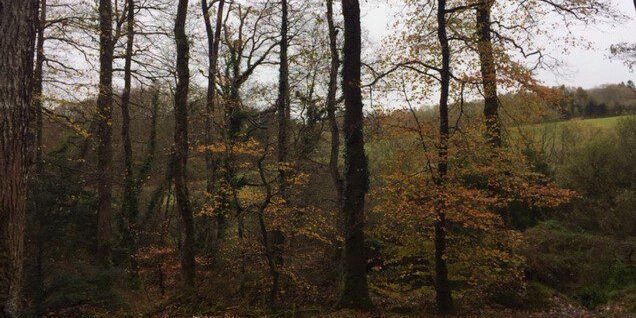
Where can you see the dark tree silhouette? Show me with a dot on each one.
(332, 104)
(283, 111)
(130, 206)
(181, 148)
(355, 293)
(104, 132)
(442, 284)
(214, 37)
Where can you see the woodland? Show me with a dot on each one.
(267, 158)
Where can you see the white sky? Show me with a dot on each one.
(585, 68)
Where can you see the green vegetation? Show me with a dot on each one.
(603, 123)
(586, 251)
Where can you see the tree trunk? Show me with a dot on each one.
(442, 284)
(17, 25)
(331, 105)
(356, 292)
(488, 73)
(37, 215)
(104, 132)
(272, 259)
(181, 148)
(37, 82)
(283, 101)
(211, 105)
(130, 207)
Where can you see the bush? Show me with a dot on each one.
(601, 171)
(590, 268)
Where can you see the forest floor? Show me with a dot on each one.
(561, 309)
(564, 310)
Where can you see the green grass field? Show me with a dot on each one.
(584, 128)
(556, 138)
(603, 123)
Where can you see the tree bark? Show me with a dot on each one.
(104, 132)
(356, 291)
(130, 206)
(37, 215)
(331, 105)
(214, 37)
(283, 101)
(17, 26)
(488, 72)
(181, 148)
(442, 284)
(37, 82)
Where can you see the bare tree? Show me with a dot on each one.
(332, 104)
(282, 103)
(214, 38)
(181, 148)
(104, 132)
(442, 284)
(130, 207)
(355, 293)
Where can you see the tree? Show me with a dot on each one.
(249, 45)
(17, 24)
(37, 81)
(282, 103)
(130, 207)
(38, 103)
(488, 72)
(214, 38)
(104, 132)
(332, 104)
(625, 52)
(355, 293)
(181, 148)
(442, 284)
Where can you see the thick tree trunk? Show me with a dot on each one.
(283, 101)
(331, 105)
(356, 291)
(442, 284)
(104, 132)
(37, 82)
(211, 162)
(130, 206)
(37, 215)
(17, 26)
(488, 72)
(37, 100)
(181, 148)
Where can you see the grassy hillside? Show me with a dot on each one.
(554, 139)
(602, 123)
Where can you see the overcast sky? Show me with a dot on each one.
(585, 68)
